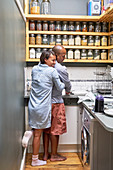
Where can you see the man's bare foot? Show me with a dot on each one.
(46, 157)
(57, 158)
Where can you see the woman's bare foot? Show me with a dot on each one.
(46, 157)
(57, 158)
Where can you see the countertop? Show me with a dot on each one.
(104, 120)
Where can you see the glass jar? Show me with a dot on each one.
(58, 39)
(90, 54)
(65, 40)
(32, 39)
(71, 40)
(90, 40)
(52, 40)
(71, 26)
(111, 26)
(51, 26)
(103, 55)
(58, 26)
(39, 26)
(70, 54)
(32, 53)
(38, 52)
(111, 54)
(32, 25)
(77, 27)
(77, 54)
(83, 54)
(97, 40)
(45, 39)
(84, 27)
(77, 40)
(97, 27)
(45, 26)
(111, 39)
(84, 40)
(91, 27)
(104, 41)
(104, 27)
(96, 54)
(38, 39)
(65, 26)
(35, 7)
(45, 7)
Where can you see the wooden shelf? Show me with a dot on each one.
(76, 61)
(107, 16)
(61, 17)
(70, 47)
(69, 33)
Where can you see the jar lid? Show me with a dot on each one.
(45, 1)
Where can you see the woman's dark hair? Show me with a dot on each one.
(45, 55)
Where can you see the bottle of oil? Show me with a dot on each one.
(35, 7)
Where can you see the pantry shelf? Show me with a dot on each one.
(69, 33)
(70, 47)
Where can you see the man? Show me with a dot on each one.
(58, 122)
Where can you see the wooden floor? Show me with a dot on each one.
(72, 162)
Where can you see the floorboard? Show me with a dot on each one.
(72, 162)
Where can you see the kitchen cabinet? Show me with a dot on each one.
(106, 17)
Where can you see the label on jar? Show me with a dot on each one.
(32, 53)
(77, 54)
(97, 42)
(71, 41)
(32, 40)
(35, 9)
(104, 56)
(104, 41)
(84, 42)
(38, 40)
(70, 54)
(65, 42)
(91, 43)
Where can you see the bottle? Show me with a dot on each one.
(77, 40)
(51, 26)
(65, 40)
(45, 7)
(32, 25)
(71, 40)
(35, 7)
(52, 40)
(32, 39)
(77, 54)
(58, 39)
(32, 53)
(58, 26)
(38, 52)
(65, 26)
(99, 104)
(39, 26)
(45, 39)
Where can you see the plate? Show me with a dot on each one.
(109, 112)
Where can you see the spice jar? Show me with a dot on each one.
(45, 7)
(71, 40)
(103, 55)
(70, 54)
(58, 39)
(104, 27)
(45, 26)
(90, 40)
(35, 7)
(32, 25)
(111, 39)
(111, 26)
(51, 26)
(84, 27)
(32, 39)
(111, 54)
(104, 41)
(58, 26)
(97, 27)
(77, 54)
(38, 39)
(90, 54)
(64, 40)
(83, 54)
(65, 26)
(38, 52)
(97, 40)
(32, 53)
(71, 26)
(39, 26)
(91, 27)
(96, 55)
(52, 40)
(84, 40)
(77, 40)
(77, 27)
(45, 39)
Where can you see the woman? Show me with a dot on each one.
(39, 107)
